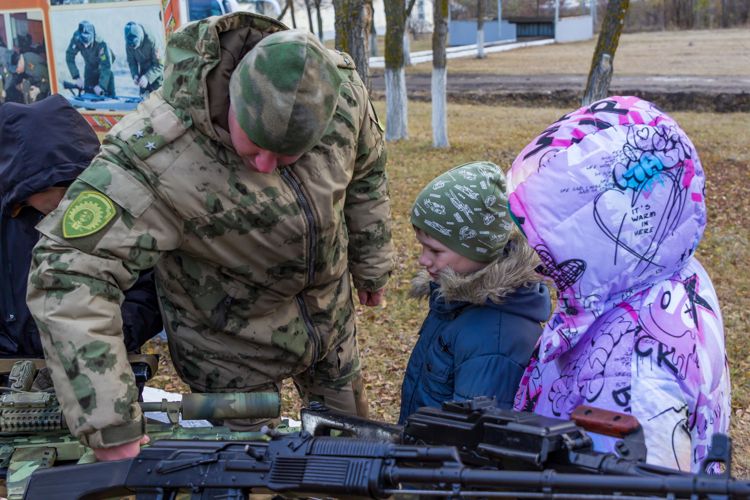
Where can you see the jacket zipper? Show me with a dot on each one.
(311, 273)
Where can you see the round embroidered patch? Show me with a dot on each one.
(90, 212)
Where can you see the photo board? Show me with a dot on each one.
(108, 61)
(104, 56)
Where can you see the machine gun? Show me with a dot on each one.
(487, 436)
(34, 435)
(302, 465)
(86, 97)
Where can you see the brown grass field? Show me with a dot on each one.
(659, 53)
(388, 332)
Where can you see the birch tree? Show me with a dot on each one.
(373, 33)
(407, 35)
(439, 74)
(309, 15)
(600, 75)
(396, 125)
(289, 6)
(480, 28)
(320, 20)
(353, 20)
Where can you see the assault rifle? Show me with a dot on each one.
(302, 465)
(487, 436)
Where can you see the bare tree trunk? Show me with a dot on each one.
(309, 15)
(396, 125)
(407, 45)
(373, 33)
(601, 66)
(593, 12)
(407, 35)
(294, 20)
(439, 74)
(320, 20)
(480, 28)
(353, 20)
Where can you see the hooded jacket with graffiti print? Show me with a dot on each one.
(611, 197)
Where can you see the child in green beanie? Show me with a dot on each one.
(486, 302)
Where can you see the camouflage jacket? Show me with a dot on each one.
(252, 269)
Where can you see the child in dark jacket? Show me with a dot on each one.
(43, 148)
(486, 301)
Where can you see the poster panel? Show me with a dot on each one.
(108, 57)
(24, 70)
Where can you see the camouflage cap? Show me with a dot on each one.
(284, 92)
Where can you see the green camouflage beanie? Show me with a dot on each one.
(466, 209)
(284, 92)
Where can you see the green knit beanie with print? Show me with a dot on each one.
(466, 210)
(284, 92)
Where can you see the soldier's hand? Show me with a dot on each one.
(79, 82)
(121, 452)
(143, 82)
(98, 90)
(370, 299)
(135, 80)
(34, 92)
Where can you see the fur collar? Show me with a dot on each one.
(500, 279)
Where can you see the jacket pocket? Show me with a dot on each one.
(222, 311)
(437, 371)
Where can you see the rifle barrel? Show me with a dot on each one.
(551, 481)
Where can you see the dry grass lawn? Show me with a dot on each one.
(715, 53)
(388, 333)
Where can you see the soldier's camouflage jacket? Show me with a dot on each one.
(252, 268)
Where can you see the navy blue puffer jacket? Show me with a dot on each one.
(42, 145)
(469, 344)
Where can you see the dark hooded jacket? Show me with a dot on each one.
(43, 145)
(480, 332)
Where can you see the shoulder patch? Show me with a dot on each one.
(150, 134)
(89, 212)
(342, 59)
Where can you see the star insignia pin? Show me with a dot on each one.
(138, 134)
(150, 146)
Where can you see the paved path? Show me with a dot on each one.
(483, 83)
(464, 51)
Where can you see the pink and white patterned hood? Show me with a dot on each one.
(611, 196)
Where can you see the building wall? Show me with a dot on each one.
(574, 29)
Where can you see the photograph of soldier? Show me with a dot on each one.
(97, 59)
(28, 78)
(115, 58)
(144, 59)
(24, 72)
